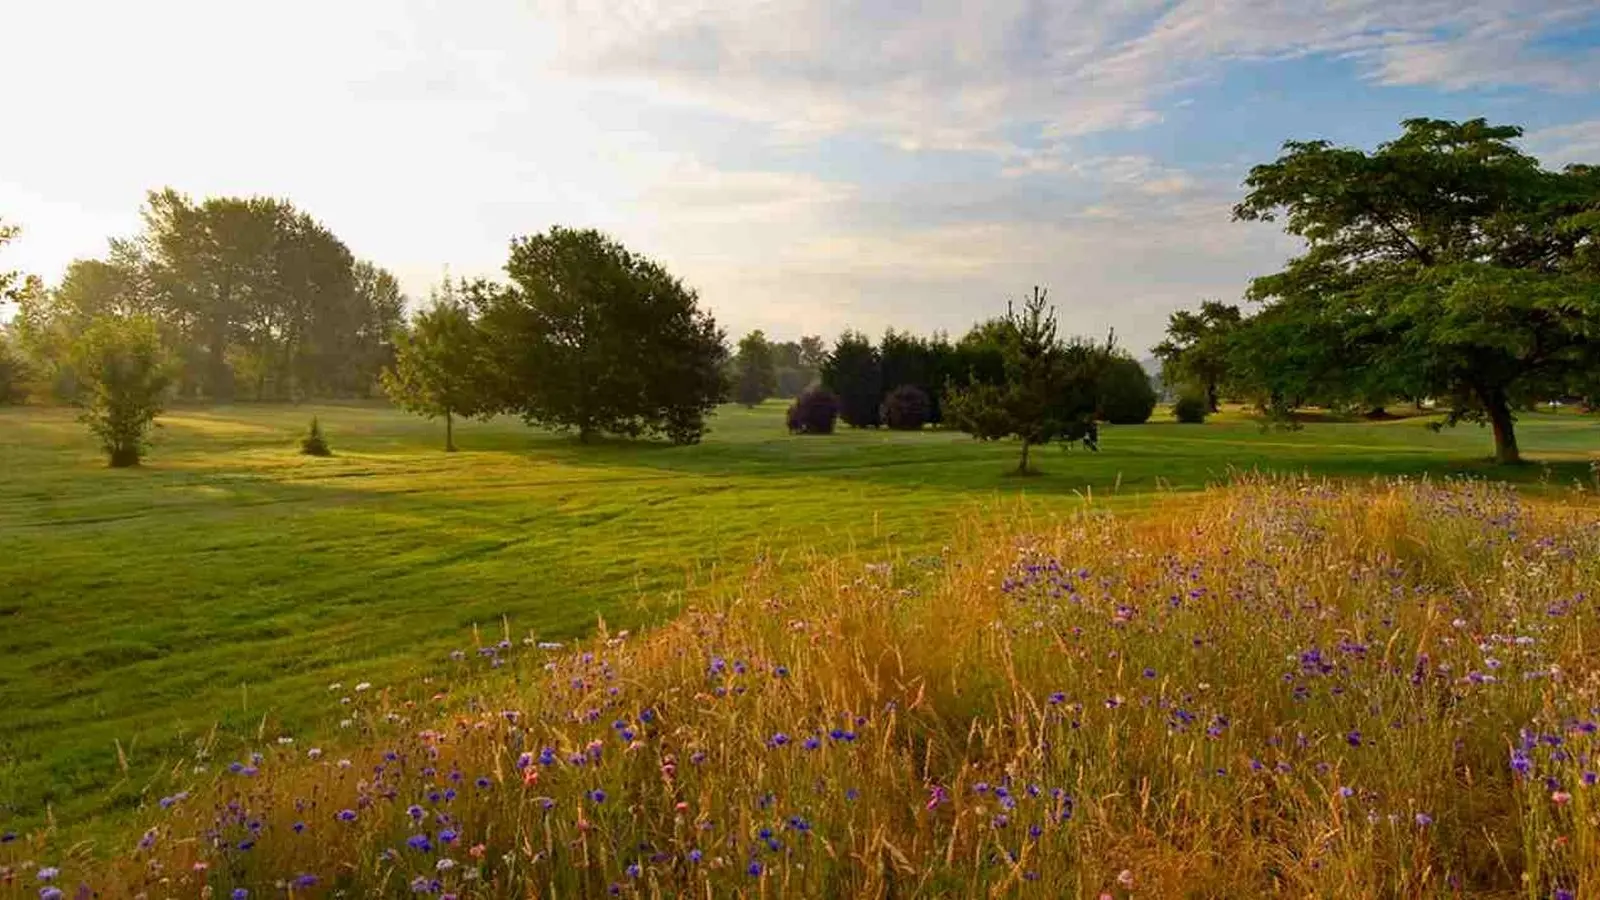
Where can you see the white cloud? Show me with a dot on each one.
(1563, 145)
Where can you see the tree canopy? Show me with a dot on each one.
(1195, 352)
(592, 337)
(1446, 262)
(250, 294)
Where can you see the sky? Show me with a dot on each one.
(806, 166)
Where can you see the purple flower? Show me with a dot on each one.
(415, 812)
(345, 815)
(448, 836)
(305, 881)
(597, 796)
(1424, 820)
(779, 739)
(524, 761)
(633, 870)
(754, 868)
(50, 893)
(695, 855)
(812, 743)
(1353, 738)
(419, 843)
(239, 894)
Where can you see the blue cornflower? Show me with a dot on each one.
(239, 894)
(1424, 820)
(781, 672)
(812, 743)
(1353, 738)
(419, 843)
(305, 881)
(633, 870)
(779, 739)
(695, 855)
(50, 893)
(597, 796)
(415, 812)
(647, 716)
(851, 793)
(345, 815)
(754, 868)
(448, 836)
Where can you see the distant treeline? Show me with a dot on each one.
(253, 299)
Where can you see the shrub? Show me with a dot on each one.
(1191, 408)
(1126, 395)
(814, 412)
(123, 377)
(315, 443)
(907, 408)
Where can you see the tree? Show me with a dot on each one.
(1445, 262)
(853, 374)
(592, 337)
(13, 285)
(439, 365)
(1049, 388)
(15, 373)
(1195, 351)
(1124, 394)
(755, 376)
(124, 374)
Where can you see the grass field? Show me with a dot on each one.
(227, 582)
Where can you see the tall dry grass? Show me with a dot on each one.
(1283, 688)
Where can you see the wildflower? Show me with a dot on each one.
(1057, 698)
(1588, 779)
(345, 815)
(1149, 672)
(695, 855)
(50, 893)
(444, 864)
(1560, 798)
(419, 843)
(597, 796)
(305, 881)
(633, 870)
(936, 796)
(1424, 820)
(1346, 791)
(49, 873)
(1125, 878)
(240, 894)
(779, 739)
(851, 793)
(1353, 738)
(448, 836)
(781, 672)
(754, 868)
(364, 686)
(415, 812)
(1520, 763)
(524, 761)
(812, 743)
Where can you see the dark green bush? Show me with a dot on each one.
(1191, 408)
(315, 443)
(1126, 395)
(907, 408)
(814, 412)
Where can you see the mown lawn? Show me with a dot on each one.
(226, 583)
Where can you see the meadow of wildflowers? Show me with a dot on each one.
(1285, 688)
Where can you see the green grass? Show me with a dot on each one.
(229, 580)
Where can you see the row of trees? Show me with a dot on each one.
(1445, 264)
(585, 336)
(250, 296)
(761, 369)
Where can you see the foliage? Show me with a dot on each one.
(1049, 387)
(854, 373)
(124, 373)
(1444, 263)
(251, 294)
(1195, 351)
(755, 374)
(813, 412)
(439, 365)
(1126, 396)
(315, 443)
(1191, 408)
(1292, 689)
(592, 337)
(797, 364)
(13, 286)
(15, 373)
(906, 408)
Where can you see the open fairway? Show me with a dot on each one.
(231, 579)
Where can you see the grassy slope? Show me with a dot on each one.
(232, 579)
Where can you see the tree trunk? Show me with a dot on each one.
(1211, 397)
(1505, 435)
(449, 433)
(1022, 467)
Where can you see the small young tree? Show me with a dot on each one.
(755, 377)
(123, 377)
(1049, 388)
(315, 443)
(438, 366)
